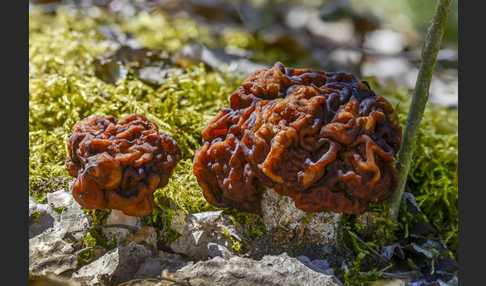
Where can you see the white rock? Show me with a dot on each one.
(53, 250)
(116, 266)
(297, 17)
(220, 60)
(59, 199)
(279, 270)
(74, 221)
(341, 32)
(318, 265)
(385, 41)
(50, 253)
(345, 57)
(201, 229)
(386, 68)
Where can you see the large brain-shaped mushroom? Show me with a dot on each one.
(119, 164)
(322, 138)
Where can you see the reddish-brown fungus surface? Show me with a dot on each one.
(119, 164)
(324, 139)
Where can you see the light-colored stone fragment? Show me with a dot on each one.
(279, 270)
(60, 199)
(116, 266)
(201, 229)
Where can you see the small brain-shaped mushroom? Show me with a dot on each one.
(119, 164)
(324, 139)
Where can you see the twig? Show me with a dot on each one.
(131, 228)
(77, 253)
(419, 101)
(367, 246)
(401, 275)
(156, 279)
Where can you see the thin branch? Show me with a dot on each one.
(87, 248)
(369, 248)
(419, 100)
(130, 228)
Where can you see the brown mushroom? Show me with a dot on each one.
(119, 164)
(324, 139)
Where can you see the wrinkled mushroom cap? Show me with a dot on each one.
(324, 139)
(119, 164)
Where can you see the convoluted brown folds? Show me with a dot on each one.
(322, 138)
(119, 164)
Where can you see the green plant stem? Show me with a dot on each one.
(419, 100)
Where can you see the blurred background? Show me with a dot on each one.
(371, 38)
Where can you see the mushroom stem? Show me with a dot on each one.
(117, 217)
(420, 96)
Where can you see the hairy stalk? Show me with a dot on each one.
(419, 100)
